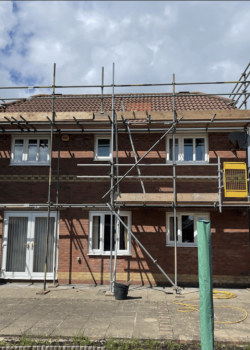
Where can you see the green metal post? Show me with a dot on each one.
(205, 285)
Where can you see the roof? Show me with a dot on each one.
(123, 102)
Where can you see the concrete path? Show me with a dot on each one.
(147, 313)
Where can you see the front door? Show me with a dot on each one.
(24, 245)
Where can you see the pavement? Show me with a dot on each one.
(147, 313)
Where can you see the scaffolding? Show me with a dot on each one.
(114, 126)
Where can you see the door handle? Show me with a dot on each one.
(33, 245)
(27, 245)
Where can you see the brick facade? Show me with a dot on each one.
(230, 250)
(230, 229)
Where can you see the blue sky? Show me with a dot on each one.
(148, 41)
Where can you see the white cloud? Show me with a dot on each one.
(240, 29)
(7, 23)
(223, 67)
(148, 41)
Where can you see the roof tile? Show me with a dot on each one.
(139, 102)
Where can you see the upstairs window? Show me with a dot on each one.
(99, 234)
(30, 150)
(186, 228)
(188, 148)
(102, 149)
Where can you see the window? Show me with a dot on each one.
(102, 148)
(99, 233)
(186, 228)
(188, 148)
(27, 150)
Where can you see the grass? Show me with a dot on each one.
(26, 340)
(133, 344)
(115, 344)
(80, 340)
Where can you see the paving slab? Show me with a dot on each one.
(14, 331)
(121, 327)
(146, 328)
(67, 332)
(40, 331)
(147, 313)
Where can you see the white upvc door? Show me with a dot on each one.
(24, 245)
(38, 245)
(16, 246)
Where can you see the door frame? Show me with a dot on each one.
(30, 238)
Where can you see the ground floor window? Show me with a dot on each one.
(186, 228)
(24, 245)
(99, 233)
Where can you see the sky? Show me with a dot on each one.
(148, 41)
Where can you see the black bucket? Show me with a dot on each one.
(120, 291)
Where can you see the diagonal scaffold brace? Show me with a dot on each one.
(145, 250)
(126, 123)
(135, 165)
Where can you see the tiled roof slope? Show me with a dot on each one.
(135, 102)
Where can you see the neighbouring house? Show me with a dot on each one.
(79, 235)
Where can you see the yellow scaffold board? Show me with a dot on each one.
(235, 176)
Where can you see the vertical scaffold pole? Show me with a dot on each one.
(117, 240)
(112, 178)
(245, 90)
(174, 185)
(102, 90)
(57, 209)
(247, 153)
(219, 185)
(117, 222)
(116, 154)
(50, 176)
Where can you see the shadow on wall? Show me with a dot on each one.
(137, 267)
(149, 274)
(75, 240)
(5, 154)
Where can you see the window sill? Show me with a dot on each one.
(108, 254)
(187, 245)
(102, 159)
(29, 164)
(189, 163)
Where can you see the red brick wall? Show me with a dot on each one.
(79, 150)
(230, 249)
(230, 237)
(1, 235)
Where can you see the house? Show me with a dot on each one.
(79, 218)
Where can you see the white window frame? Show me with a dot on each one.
(101, 250)
(28, 273)
(197, 216)
(26, 139)
(101, 137)
(181, 138)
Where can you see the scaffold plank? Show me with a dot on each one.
(196, 115)
(167, 197)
